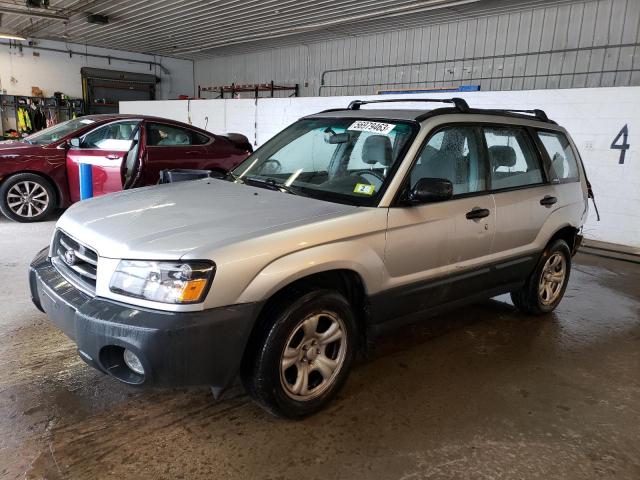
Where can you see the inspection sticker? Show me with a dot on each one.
(374, 127)
(364, 189)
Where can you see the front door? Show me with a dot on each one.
(432, 249)
(105, 149)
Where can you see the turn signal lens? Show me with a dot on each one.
(192, 291)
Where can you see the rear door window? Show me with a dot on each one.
(162, 135)
(513, 162)
(563, 166)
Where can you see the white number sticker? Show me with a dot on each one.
(374, 127)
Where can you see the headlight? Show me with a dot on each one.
(166, 282)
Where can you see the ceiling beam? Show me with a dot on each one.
(13, 9)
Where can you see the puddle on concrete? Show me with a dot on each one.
(477, 392)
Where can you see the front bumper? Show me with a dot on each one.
(175, 348)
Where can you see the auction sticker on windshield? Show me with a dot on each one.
(364, 189)
(374, 127)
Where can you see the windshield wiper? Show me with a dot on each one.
(271, 184)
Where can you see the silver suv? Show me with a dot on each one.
(347, 224)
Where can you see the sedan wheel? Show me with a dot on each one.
(28, 199)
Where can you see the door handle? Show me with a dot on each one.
(548, 200)
(113, 157)
(478, 213)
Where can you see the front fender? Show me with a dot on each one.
(364, 257)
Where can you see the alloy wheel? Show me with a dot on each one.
(27, 199)
(313, 356)
(552, 278)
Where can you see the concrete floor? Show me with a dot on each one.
(481, 392)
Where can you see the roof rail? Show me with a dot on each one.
(459, 103)
(539, 114)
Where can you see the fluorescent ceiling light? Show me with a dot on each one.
(11, 36)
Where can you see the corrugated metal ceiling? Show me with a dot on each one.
(199, 29)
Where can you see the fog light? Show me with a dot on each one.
(133, 362)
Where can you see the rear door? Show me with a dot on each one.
(105, 148)
(169, 147)
(519, 185)
(433, 249)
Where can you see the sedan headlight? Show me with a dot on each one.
(166, 282)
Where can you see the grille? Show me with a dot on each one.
(75, 261)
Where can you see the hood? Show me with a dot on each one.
(169, 221)
(15, 147)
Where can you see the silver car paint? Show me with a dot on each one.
(261, 240)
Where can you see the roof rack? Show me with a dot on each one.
(459, 103)
(539, 114)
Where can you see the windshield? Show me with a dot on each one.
(55, 133)
(344, 160)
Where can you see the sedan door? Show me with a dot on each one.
(433, 250)
(106, 149)
(170, 147)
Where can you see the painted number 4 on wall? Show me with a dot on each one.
(623, 146)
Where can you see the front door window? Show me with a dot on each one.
(452, 154)
(116, 136)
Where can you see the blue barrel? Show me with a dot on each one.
(86, 181)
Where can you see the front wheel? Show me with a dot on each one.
(27, 197)
(545, 288)
(303, 355)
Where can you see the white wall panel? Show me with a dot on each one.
(592, 116)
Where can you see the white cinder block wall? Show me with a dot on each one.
(593, 116)
(58, 72)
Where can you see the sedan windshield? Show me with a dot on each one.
(55, 133)
(343, 160)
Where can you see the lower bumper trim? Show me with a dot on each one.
(175, 348)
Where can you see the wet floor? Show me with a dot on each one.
(481, 392)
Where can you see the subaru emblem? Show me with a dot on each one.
(70, 257)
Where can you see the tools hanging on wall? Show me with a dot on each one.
(23, 115)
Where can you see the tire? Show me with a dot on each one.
(299, 339)
(545, 287)
(27, 197)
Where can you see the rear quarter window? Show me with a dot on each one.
(199, 139)
(563, 167)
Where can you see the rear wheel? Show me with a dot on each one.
(545, 288)
(303, 355)
(27, 197)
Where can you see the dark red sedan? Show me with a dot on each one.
(41, 172)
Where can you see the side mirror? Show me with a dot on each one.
(74, 142)
(429, 190)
